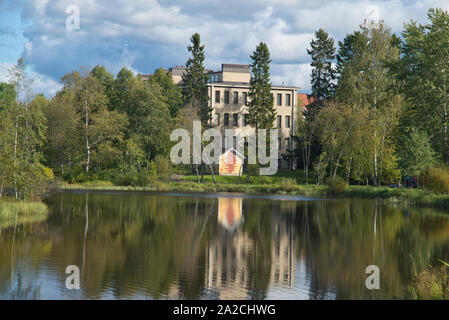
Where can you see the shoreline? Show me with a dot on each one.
(412, 196)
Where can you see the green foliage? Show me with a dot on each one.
(261, 111)
(13, 212)
(435, 178)
(430, 284)
(160, 169)
(194, 81)
(172, 92)
(416, 152)
(424, 79)
(322, 53)
(336, 185)
(253, 169)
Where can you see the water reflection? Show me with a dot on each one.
(159, 246)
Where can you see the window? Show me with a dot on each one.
(279, 143)
(279, 122)
(287, 121)
(235, 119)
(287, 100)
(234, 142)
(279, 99)
(272, 98)
(236, 98)
(245, 120)
(245, 98)
(217, 119)
(226, 119)
(217, 96)
(226, 98)
(287, 144)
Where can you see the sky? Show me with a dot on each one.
(144, 35)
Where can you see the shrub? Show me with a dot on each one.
(430, 284)
(252, 170)
(435, 178)
(336, 185)
(287, 183)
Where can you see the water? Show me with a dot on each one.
(219, 246)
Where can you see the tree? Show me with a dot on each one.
(416, 153)
(323, 73)
(99, 127)
(367, 86)
(171, 91)
(194, 81)
(261, 111)
(345, 53)
(424, 77)
(63, 139)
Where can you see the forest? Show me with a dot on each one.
(380, 113)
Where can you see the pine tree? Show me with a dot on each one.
(346, 52)
(323, 73)
(195, 81)
(261, 111)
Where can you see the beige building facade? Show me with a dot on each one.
(228, 95)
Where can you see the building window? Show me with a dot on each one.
(287, 121)
(226, 98)
(279, 99)
(245, 120)
(236, 98)
(217, 119)
(279, 122)
(272, 98)
(235, 119)
(287, 100)
(217, 96)
(234, 142)
(226, 119)
(279, 143)
(287, 144)
(245, 98)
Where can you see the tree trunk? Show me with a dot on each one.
(87, 133)
(15, 156)
(1, 184)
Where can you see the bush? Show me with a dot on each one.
(430, 284)
(287, 183)
(435, 178)
(252, 170)
(336, 185)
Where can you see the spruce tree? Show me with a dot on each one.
(323, 73)
(261, 112)
(194, 81)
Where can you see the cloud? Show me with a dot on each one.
(41, 83)
(146, 34)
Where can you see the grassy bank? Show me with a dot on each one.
(276, 185)
(19, 212)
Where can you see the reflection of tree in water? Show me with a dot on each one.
(341, 238)
(165, 246)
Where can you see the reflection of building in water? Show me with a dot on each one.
(230, 212)
(227, 256)
(282, 251)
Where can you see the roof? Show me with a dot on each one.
(238, 154)
(228, 67)
(247, 84)
(304, 100)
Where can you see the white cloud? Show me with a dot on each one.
(145, 34)
(41, 83)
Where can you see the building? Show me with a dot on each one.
(228, 94)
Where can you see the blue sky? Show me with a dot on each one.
(145, 34)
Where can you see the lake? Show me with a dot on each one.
(137, 245)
